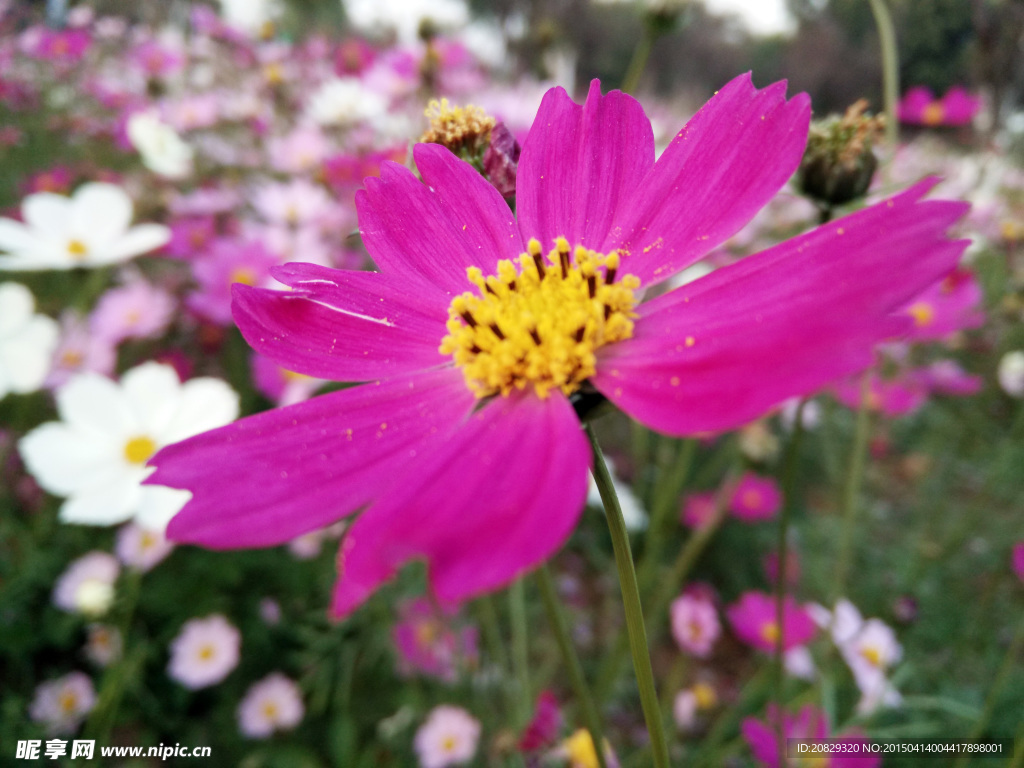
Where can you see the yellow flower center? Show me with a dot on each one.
(540, 323)
(449, 743)
(933, 114)
(872, 655)
(270, 710)
(705, 696)
(68, 702)
(139, 449)
(207, 652)
(77, 249)
(457, 128)
(243, 275)
(770, 632)
(922, 312)
(751, 499)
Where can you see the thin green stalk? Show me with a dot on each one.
(556, 618)
(631, 603)
(491, 626)
(890, 69)
(788, 497)
(1002, 678)
(520, 646)
(638, 63)
(851, 489)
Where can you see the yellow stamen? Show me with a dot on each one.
(68, 701)
(705, 695)
(139, 449)
(770, 632)
(77, 249)
(922, 312)
(449, 743)
(872, 655)
(206, 652)
(933, 114)
(270, 711)
(457, 128)
(540, 323)
(242, 275)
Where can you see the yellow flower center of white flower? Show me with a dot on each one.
(77, 250)
(922, 312)
(139, 449)
(93, 597)
(540, 323)
(705, 696)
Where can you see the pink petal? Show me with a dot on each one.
(415, 233)
(341, 325)
(268, 478)
(580, 164)
(724, 349)
(497, 499)
(723, 167)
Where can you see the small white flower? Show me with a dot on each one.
(88, 229)
(141, 548)
(27, 341)
(272, 704)
(163, 151)
(344, 102)
(1011, 373)
(204, 652)
(633, 513)
(448, 737)
(87, 584)
(96, 455)
(250, 16)
(63, 703)
(403, 18)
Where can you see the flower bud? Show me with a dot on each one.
(839, 162)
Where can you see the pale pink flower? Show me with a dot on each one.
(63, 703)
(103, 644)
(141, 548)
(272, 704)
(204, 652)
(136, 310)
(695, 624)
(87, 584)
(79, 350)
(448, 737)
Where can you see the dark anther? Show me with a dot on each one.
(470, 320)
(512, 285)
(563, 258)
(535, 336)
(609, 276)
(475, 349)
(497, 331)
(579, 333)
(539, 261)
(487, 287)
(607, 311)
(592, 285)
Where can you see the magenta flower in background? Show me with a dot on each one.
(62, 47)
(892, 397)
(809, 723)
(428, 642)
(227, 262)
(698, 509)
(920, 107)
(753, 620)
(542, 730)
(280, 385)
(755, 498)
(952, 304)
(191, 236)
(436, 447)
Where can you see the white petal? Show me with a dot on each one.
(153, 392)
(110, 504)
(16, 306)
(64, 461)
(138, 240)
(26, 358)
(96, 405)
(46, 212)
(15, 237)
(206, 403)
(158, 505)
(100, 212)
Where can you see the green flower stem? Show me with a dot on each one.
(491, 627)
(666, 496)
(556, 618)
(631, 602)
(851, 489)
(520, 647)
(638, 63)
(890, 69)
(791, 464)
(1002, 677)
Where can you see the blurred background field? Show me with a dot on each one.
(245, 87)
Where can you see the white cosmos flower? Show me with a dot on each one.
(163, 151)
(403, 18)
(344, 102)
(27, 341)
(96, 455)
(89, 229)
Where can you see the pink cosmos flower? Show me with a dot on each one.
(428, 643)
(62, 704)
(755, 498)
(952, 304)
(63, 47)
(809, 723)
(79, 351)
(753, 620)
(204, 652)
(226, 263)
(141, 548)
(272, 704)
(280, 385)
(136, 310)
(437, 446)
(542, 730)
(698, 509)
(946, 377)
(191, 236)
(695, 623)
(920, 107)
(893, 397)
